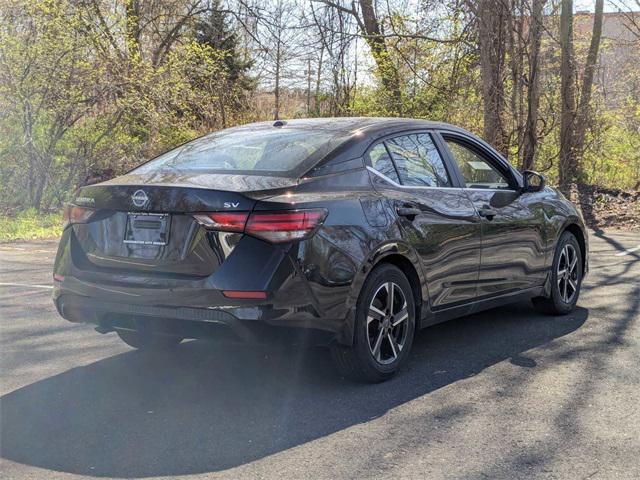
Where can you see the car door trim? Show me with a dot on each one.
(413, 187)
(407, 187)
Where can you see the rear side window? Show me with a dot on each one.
(247, 151)
(418, 161)
(381, 161)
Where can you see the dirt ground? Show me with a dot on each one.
(609, 207)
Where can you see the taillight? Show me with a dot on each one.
(284, 226)
(224, 221)
(74, 214)
(273, 226)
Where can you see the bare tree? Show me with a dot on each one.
(567, 165)
(336, 36)
(530, 137)
(583, 113)
(517, 21)
(280, 45)
(369, 25)
(574, 121)
(492, 18)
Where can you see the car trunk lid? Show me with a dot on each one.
(145, 223)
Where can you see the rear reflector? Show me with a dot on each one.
(273, 226)
(58, 278)
(74, 214)
(253, 295)
(224, 221)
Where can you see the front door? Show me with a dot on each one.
(513, 245)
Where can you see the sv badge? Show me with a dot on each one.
(231, 204)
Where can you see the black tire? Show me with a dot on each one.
(558, 302)
(148, 341)
(358, 362)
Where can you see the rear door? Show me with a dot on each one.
(513, 244)
(434, 216)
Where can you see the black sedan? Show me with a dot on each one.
(353, 233)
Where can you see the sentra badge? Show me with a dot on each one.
(84, 201)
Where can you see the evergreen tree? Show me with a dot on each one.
(216, 31)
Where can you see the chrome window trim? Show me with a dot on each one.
(476, 189)
(388, 180)
(411, 187)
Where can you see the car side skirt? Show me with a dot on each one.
(439, 316)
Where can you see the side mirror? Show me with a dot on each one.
(533, 181)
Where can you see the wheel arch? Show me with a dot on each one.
(577, 231)
(546, 303)
(402, 256)
(409, 270)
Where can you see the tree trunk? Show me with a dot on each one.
(533, 93)
(316, 101)
(37, 199)
(133, 30)
(567, 164)
(41, 179)
(276, 90)
(386, 68)
(492, 16)
(583, 113)
(223, 112)
(515, 53)
(308, 86)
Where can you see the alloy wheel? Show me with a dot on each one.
(387, 323)
(567, 273)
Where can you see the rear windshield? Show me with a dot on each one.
(275, 151)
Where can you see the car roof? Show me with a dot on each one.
(371, 125)
(373, 128)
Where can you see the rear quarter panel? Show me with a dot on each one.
(357, 234)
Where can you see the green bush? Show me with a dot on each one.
(30, 225)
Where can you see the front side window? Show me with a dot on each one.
(418, 161)
(250, 151)
(476, 171)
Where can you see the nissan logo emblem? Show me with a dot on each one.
(139, 198)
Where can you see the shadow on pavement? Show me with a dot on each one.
(614, 243)
(208, 407)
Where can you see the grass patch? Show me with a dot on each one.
(30, 225)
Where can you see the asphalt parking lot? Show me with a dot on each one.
(503, 394)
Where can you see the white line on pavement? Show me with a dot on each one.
(628, 251)
(30, 250)
(2, 284)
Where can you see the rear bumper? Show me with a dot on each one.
(302, 290)
(189, 322)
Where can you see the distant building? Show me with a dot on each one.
(619, 64)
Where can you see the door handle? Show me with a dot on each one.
(408, 211)
(487, 212)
